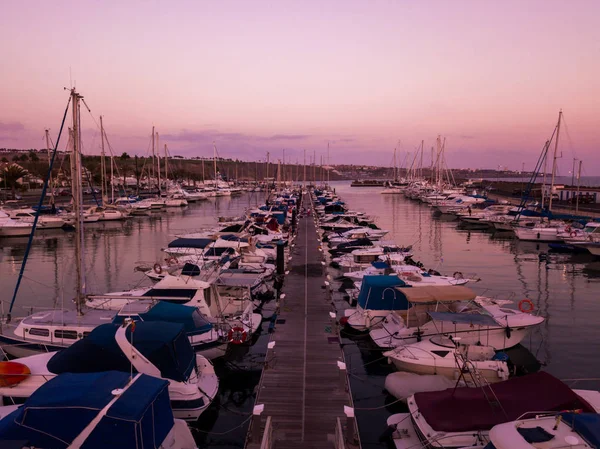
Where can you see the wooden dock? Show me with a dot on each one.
(303, 389)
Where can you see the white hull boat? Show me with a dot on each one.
(443, 356)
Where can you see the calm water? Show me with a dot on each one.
(564, 289)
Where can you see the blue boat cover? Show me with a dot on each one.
(191, 319)
(57, 412)
(165, 345)
(183, 293)
(380, 265)
(585, 424)
(190, 269)
(464, 318)
(379, 293)
(233, 238)
(189, 243)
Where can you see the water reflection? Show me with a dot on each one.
(562, 287)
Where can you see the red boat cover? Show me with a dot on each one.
(470, 409)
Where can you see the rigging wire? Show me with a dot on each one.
(37, 213)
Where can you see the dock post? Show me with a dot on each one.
(256, 435)
(343, 375)
(350, 435)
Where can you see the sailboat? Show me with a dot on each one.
(545, 232)
(54, 329)
(392, 187)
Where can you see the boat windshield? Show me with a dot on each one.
(442, 340)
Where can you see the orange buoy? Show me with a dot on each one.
(11, 373)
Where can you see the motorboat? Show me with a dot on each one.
(359, 259)
(13, 228)
(44, 221)
(107, 213)
(482, 320)
(157, 349)
(541, 233)
(99, 410)
(446, 356)
(546, 431)
(378, 296)
(463, 416)
(222, 305)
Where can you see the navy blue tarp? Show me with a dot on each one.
(165, 345)
(191, 319)
(189, 243)
(57, 412)
(379, 293)
(585, 424)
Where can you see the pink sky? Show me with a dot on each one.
(259, 76)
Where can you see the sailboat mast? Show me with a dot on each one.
(158, 162)
(112, 179)
(215, 163)
(328, 164)
(421, 163)
(102, 163)
(47, 132)
(152, 164)
(554, 162)
(77, 203)
(578, 184)
(166, 166)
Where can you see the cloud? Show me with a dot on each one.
(212, 134)
(288, 137)
(11, 127)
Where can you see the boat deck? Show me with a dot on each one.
(302, 389)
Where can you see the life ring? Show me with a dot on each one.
(528, 309)
(573, 234)
(237, 335)
(568, 228)
(458, 275)
(157, 268)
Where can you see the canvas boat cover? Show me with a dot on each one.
(165, 345)
(587, 425)
(190, 243)
(57, 412)
(192, 320)
(380, 293)
(466, 409)
(183, 293)
(435, 294)
(465, 318)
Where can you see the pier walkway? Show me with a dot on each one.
(302, 388)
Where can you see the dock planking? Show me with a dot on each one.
(301, 387)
